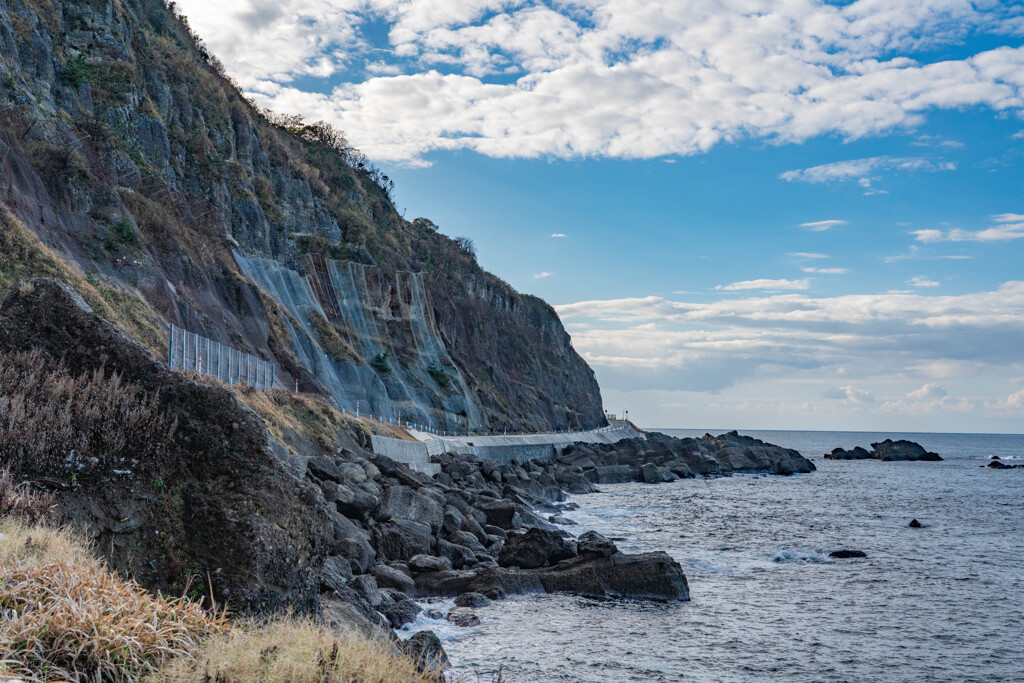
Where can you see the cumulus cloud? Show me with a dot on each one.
(822, 226)
(609, 77)
(541, 276)
(1007, 226)
(929, 392)
(807, 255)
(557, 234)
(922, 281)
(765, 284)
(713, 345)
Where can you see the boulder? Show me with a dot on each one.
(914, 524)
(592, 543)
(345, 615)
(459, 556)
(403, 612)
(535, 548)
(353, 502)
(403, 502)
(429, 563)
(352, 542)
(366, 587)
(388, 577)
(324, 469)
(653, 576)
(472, 600)
(402, 539)
(502, 514)
(463, 617)
(652, 474)
(336, 573)
(424, 648)
(846, 554)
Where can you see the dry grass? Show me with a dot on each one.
(53, 423)
(377, 427)
(18, 500)
(336, 348)
(295, 651)
(65, 617)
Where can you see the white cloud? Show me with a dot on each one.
(765, 284)
(822, 226)
(864, 172)
(857, 396)
(825, 271)
(922, 281)
(541, 276)
(557, 234)
(807, 255)
(609, 77)
(1008, 226)
(929, 392)
(709, 346)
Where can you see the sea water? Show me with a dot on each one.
(941, 603)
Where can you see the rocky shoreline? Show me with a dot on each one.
(331, 529)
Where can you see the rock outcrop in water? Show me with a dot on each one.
(126, 150)
(888, 450)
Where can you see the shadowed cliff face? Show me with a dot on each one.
(125, 150)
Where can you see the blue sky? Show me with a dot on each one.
(749, 214)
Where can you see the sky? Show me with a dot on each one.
(748, 214)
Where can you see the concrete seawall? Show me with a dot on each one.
(521, 447)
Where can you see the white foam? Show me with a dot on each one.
(796, 555)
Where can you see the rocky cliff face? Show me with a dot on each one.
(125, 149)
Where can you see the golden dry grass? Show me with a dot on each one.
(66, 617)
(293, 650)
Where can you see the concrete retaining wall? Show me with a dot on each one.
(521, 447)
(413, 453)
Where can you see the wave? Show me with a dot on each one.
(797, 555)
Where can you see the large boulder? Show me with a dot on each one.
(429, 563)
(653, 576)
(424, 648)
(503, 514)
(535, 548)
(402, 539)
(389, 577)
(592, 543)
(404, 502)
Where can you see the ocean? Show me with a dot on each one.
(940, 603)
